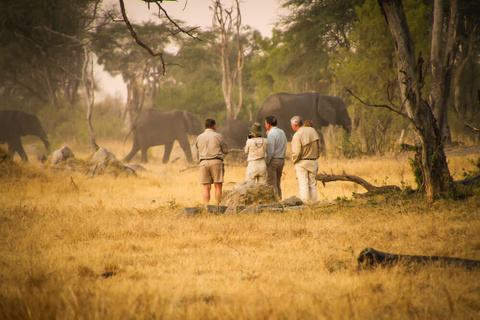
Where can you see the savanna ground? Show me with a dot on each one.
(77, 247)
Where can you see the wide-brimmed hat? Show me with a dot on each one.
(256, 128)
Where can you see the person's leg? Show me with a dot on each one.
(206, 192)
(218, 191)
(312, 185)
(249, 175)
(278, 172)
(272, 175)
(302, 177)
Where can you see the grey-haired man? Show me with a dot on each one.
(305, 152)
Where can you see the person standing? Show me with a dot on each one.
(211, 150)
(305, 152)
(275, 157)
(255, 147)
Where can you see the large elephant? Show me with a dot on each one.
(320, 109)
(155, 128)
(15, 124)
(235, 132)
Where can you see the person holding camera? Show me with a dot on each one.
(256, 147)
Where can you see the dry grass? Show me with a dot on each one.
(75, 247)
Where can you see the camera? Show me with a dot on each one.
(250, 136)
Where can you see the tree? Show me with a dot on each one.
(120, 54)
(229, 28)
(466, 80)
(435, 173)
(35, 63)
(368, 68)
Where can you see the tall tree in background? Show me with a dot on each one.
(36, 63)
(229, 27)
(119, 54)
(466, 82)
(435, 173)
(368, 66)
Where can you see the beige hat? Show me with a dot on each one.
(256, 128)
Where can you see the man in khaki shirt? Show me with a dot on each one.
(305, 152)
(211, 150)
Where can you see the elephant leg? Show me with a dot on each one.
(16, 146)
(144, 151)
(133, 152)
(168, 150)
(186, 148)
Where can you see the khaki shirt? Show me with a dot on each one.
(305, 144)
(210, 145)
(256, 148)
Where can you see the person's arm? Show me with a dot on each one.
(197, 152)
(270, 148)
(224, 146)
(296, 148)
(246, 149)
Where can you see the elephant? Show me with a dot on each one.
(15, 124)
(235, 132)
(322, 110)
(154, 128)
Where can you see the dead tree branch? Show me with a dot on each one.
(370, 257)
(324, 178)
(141, 43)
(180, 29)
(138, 40)
(382, 106)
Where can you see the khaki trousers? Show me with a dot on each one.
(307, 182)
(256, 171)
(275, 170)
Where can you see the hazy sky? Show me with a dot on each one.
(260, 14)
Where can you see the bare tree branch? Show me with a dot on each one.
(180, 29)
(381, 106)
(137, 39)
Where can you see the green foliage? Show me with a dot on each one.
(39, 59)
(368, 69)
(68, 123)
(194, 83)
(118, 52)
(416, 165)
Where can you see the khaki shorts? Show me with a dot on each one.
(211, 171)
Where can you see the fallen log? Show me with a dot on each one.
(370, 257)
(324, 178)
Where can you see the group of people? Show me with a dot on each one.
(266, 156)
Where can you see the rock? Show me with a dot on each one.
(102, 156)
(248, 193)
(215, 209)
(292, 201)
(234, 209)
(191, 211)
(295, 208)
(61, 155)
(103, 161)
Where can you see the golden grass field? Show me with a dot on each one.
(76, 247)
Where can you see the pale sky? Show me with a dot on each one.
(259, 14)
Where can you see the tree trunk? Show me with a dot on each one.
(442, 56)
(225, 22)
(88, 81)
(435, 173)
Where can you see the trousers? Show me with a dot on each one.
(275, 170)
(306, 175)
(256, 171)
